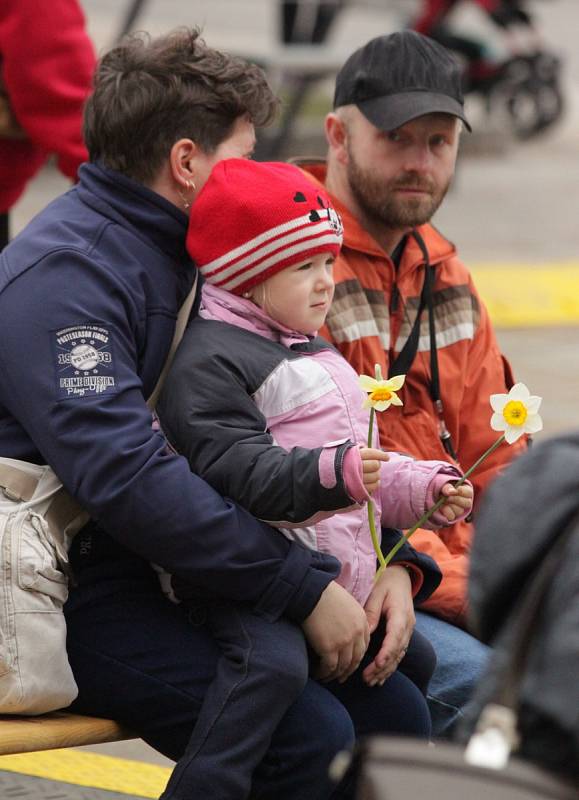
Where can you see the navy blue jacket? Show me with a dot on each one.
(89, 295)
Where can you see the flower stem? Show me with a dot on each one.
(426, 516)
(371, 518)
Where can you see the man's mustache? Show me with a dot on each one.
(414, 182)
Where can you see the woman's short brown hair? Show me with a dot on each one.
(149, 93)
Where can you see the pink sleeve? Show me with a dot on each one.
(353, 476)
(438, 520)
(406, 488)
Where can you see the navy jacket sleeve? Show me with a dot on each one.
(431, 572)
(207, 413)
(103, 448)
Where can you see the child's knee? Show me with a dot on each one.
(284, 660)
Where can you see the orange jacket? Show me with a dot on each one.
(369, 326)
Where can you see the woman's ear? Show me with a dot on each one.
(182, 161)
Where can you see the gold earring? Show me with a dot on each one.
(190, 188)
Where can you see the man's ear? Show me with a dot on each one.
(337, 136)
(182, 162)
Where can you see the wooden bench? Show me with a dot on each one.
(56, 730)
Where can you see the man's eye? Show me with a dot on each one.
(394, 136)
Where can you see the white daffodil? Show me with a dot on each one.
(381, 393)
(516, 413)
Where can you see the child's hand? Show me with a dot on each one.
(458, 500)
(371, 458)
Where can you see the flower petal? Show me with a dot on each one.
(382, 405)
(519, 392)
(533, 424)
(498, 402)
(498, 422)
(366, 383)
(367, 403)
(533, 403)
(395, 400)
(396, 382)
(513, 433)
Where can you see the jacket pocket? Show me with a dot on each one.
(38, 567)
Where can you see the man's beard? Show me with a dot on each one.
(381, 205)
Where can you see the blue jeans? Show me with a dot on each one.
(461, 660)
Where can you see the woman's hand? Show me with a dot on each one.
(337, 629)
(391, 597)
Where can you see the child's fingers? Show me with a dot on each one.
(373, 454)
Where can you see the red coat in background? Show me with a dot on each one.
(46, 66)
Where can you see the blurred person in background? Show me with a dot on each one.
(47, 62)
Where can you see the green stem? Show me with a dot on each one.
(371, 518)
(438, 503)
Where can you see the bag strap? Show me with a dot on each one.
(181, 324)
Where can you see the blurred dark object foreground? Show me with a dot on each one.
(400, 769)
(528, 519)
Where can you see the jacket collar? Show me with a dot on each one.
(130, 203)
(357, 238)
(224, 306)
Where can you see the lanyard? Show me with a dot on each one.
(405, 358)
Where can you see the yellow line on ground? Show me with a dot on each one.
(92, 770)
(530, 294)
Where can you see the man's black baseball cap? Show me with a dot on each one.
(396, 78)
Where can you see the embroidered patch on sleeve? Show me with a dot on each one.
(84, 361)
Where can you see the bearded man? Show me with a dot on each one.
(405, 301)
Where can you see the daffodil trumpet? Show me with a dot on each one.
(515, 413)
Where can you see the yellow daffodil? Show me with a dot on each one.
(516, 413)
(381, 393)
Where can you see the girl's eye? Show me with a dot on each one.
(304, 266)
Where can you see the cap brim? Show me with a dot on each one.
(392, 111)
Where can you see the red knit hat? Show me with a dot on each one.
(253, 219)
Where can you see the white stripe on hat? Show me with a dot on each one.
(324, 237)
(256, 241)
(273, 239)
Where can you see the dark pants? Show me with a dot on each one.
(139, 659)
(262, 672)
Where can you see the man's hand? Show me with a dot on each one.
(371, 458)
(337, 629)
(391, 597)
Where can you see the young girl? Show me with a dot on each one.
(272, 417)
